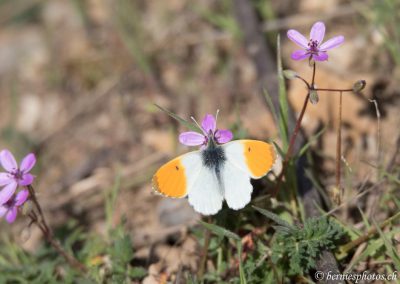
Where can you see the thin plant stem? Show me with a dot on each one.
(204, 252)
(339, 143)
(294, 135)
(48, 233)
(333, 90)
(349, 246)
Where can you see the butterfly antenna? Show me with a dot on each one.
(216, 116)
(198, 125)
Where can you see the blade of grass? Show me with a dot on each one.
(284, 111)
(220, 231)
(189, 125)
(310, 141)
(274, 217)
(390, 250)
(242, 276)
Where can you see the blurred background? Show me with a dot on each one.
(79, 80)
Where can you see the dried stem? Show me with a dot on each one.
(349, 246)
(333, 90)
(40, 221)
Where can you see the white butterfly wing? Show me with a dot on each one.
(236, 184)
(245, 159)
(254, 157)
(204, 192)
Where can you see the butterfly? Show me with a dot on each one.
(220, 170)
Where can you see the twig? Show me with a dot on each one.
(349, 246)
(48, 233)
(339, 143)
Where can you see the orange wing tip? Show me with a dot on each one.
(170, 180)
(253, 150)
(155, 189)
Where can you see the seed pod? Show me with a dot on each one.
(289, 74)
(314, 97)
(359, 86)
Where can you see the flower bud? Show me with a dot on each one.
(359, 86)
(289, 74)
(314, 97)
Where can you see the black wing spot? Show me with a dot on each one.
(249, 149)
(177, 168)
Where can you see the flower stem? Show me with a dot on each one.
(294, 135)
(339, 143)
(333, 90)
(48, 233)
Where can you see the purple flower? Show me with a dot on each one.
(314, 48)
(10, 208)
(210, 132)
(15, 175)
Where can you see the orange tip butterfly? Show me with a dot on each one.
(218, 171)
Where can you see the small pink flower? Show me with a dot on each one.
(15, 176)
(210, 131)
(314, 48)
(10, 208)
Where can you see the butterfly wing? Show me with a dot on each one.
(172, 178)
(187, 176)
(237, 188)
(244, 159)
(254, 157)
(205, 194)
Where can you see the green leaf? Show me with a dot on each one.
(241, 271)
(310, 141)
(189, 125)
(122, 249)
(271, 105)
(274, 217)
(283, 102)
(390, 249)
(220, 231)
(137, 272)
(279, 149)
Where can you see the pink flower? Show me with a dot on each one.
(210, 132)
(15, 176)
(314, 48)
(10, 208)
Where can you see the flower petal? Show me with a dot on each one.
(333, 42)
(192, 138)
(5, 178)
(3, 210)
(7, 160)
(223, 136)
(209, 123)
(321, 56)
(300, 55)
(11, 215)
(318, 32)
(21, 197)
(27, 179)
(297, 38)
(28, 162)
(7, 192)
